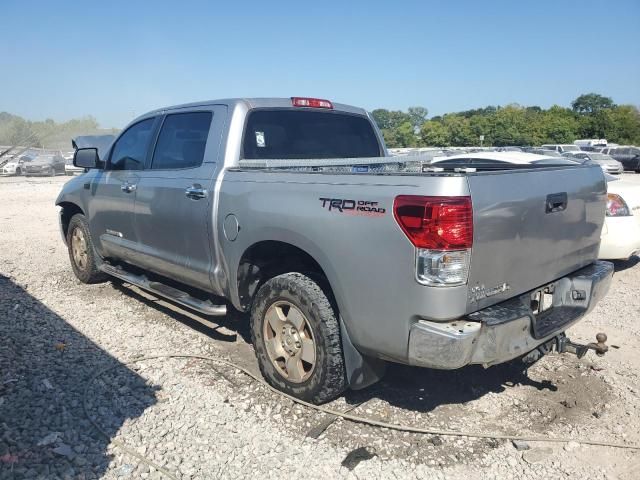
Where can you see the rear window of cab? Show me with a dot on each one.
(308, 134)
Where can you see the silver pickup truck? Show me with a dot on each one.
(345, 258)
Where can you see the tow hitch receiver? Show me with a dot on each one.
(567, 346)
(562, 344)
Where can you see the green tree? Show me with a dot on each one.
(590, 103)
(559, 125)
(623, 125)
(387, 119)
(434, 134)
(417, 116)
(458, 130)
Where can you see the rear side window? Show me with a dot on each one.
(182, 141)
(282, 134)
(130, 150)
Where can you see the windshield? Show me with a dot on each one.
(571, 148)
(282, 134)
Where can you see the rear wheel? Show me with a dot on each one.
(84, 259)
(296, 336)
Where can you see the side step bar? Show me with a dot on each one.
(170, 293)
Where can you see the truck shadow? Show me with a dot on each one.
(411, 388)
(423, 389)
(622, 265)
(45, 366)
(233, 320)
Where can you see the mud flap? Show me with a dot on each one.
(362, 371)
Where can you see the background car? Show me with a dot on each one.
(608, 164)
(70, 168)
(543, 151)
(629, 156)
(562, 148)
(620, 237)
(45, 165)
(10, 165)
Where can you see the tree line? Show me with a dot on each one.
(590, 116)
(15, 130)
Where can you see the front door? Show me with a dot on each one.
(114, 192)
(174, 195)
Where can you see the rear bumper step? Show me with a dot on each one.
(166, 291)
(510, 329)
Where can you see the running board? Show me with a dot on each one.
(170, 293)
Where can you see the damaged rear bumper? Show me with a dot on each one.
(509, 329)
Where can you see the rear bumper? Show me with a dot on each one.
(509, 329)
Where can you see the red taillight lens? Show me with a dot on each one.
(438, 223)
(616, 206)
(310, 102)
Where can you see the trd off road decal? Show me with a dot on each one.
(353, 207)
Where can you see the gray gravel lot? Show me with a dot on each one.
(201, 420)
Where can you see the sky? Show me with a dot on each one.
(116, 59)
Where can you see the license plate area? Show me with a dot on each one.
(542, 300)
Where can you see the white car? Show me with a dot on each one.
(561, 148)
(12, 167)
(620, 237)
(70, 168)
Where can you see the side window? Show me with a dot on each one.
(182, 141)
(130, 150)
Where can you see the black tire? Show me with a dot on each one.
(87, 271)
(327, 379)
(18, 171)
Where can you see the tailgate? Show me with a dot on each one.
(532, 227)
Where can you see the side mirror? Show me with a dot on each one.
(87, 158)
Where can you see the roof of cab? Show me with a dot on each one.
(255, 103)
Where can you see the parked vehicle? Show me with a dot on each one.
(45, 165)
(11, 166)
(345, 258)
(561, 148)
(628, 156)
(591, 142)
(621, 229)
(608, 164)
(543, 151)
(620, 237)
(71, 169)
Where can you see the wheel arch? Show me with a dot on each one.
(266, 259)
(269, 258)
(68, 210)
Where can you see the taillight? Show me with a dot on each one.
(311, 102)
(616, 206)
(443, 223)
(441, 229)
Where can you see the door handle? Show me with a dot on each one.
(196, 192)
(128, 187)
(556, 202)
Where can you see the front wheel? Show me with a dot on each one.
(296, 337)
(84, 259)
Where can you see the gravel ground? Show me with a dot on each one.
(201, 420)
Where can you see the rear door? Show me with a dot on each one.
(113, 192)
(174, 195)
(532, 227)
